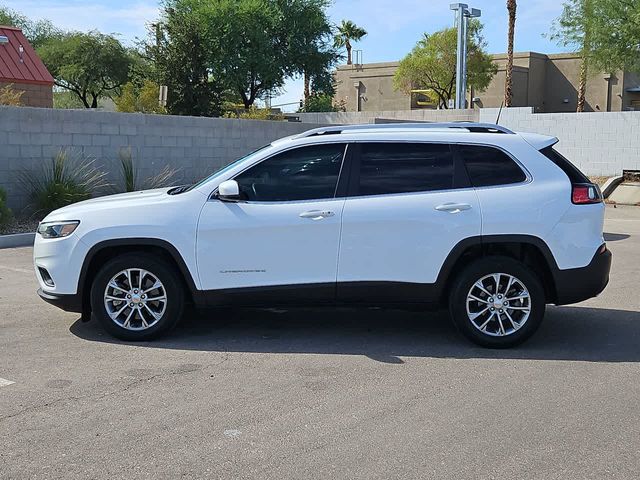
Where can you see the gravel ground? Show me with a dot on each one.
(600, 181)
(19, 225)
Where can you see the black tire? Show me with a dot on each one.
(473, 273)
(173, 290)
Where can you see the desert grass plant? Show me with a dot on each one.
(130, 177)
(10, 96)
(70, 177)
(5, 213)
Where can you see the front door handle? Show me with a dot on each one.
(317, 214)
(453, 207)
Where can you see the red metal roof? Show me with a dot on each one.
(13, 68)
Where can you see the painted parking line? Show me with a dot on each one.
(5, 383)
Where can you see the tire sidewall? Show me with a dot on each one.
(164, 272)
(487, 266)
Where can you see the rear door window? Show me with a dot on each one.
(388, 168)
(489, 166)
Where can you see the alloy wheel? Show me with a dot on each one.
(135, 299)
(498, 304)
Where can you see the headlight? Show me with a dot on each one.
(57, 229)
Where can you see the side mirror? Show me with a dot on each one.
(229, 191)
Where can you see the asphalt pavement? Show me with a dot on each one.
(323, 393)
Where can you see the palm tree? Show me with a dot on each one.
(348, 32)
(582, 85)
(508, 83)
(587, 12)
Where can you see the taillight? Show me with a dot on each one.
(585, 193)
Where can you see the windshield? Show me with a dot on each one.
(225, 169)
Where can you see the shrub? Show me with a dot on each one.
(322, 103)
(69, 178)
(129, 173)
(5, 213)
(143, 99)
(255, 113)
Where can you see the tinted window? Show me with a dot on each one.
(489, 166)
(404, 167)
(305, 173)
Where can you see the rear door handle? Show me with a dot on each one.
(453, 207)
(317, 214)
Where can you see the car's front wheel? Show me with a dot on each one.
(137, 297)
(497, 302)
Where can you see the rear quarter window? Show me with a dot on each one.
(573, 172)
(488, 166)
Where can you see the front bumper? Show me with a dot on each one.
(68, 303)
(577, 284)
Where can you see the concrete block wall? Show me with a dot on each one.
(350, 118)
(196, 146)
(599, 143)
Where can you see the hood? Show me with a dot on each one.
(121, 200)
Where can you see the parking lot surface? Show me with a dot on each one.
(322, 393)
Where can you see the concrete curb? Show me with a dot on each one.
(610, 185)
(17, 240)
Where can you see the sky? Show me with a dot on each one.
(393, 26)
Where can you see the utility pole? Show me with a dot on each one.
(463, 14)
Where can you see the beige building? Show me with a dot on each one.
(548, 83)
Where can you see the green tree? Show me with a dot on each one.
(311, 41)
(615, 35)
(573, 29)
(606, 34)
(609, 30)
(206, 49)
(180, 49)
(432, 64)
(253, 38)
(91, 65)
(347, 33)
(37, 32)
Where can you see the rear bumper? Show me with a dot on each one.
(577, 284)
(68, 303)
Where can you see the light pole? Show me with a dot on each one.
(463, 14)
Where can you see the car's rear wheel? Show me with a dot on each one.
(497, 302)
(137, 297)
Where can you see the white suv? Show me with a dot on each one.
(492, 223)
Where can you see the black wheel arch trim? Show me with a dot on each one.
(482, 241)
(569, 285)
(138, 242)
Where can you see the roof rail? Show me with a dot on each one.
(461, 126)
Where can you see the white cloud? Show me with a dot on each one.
(127, 19)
